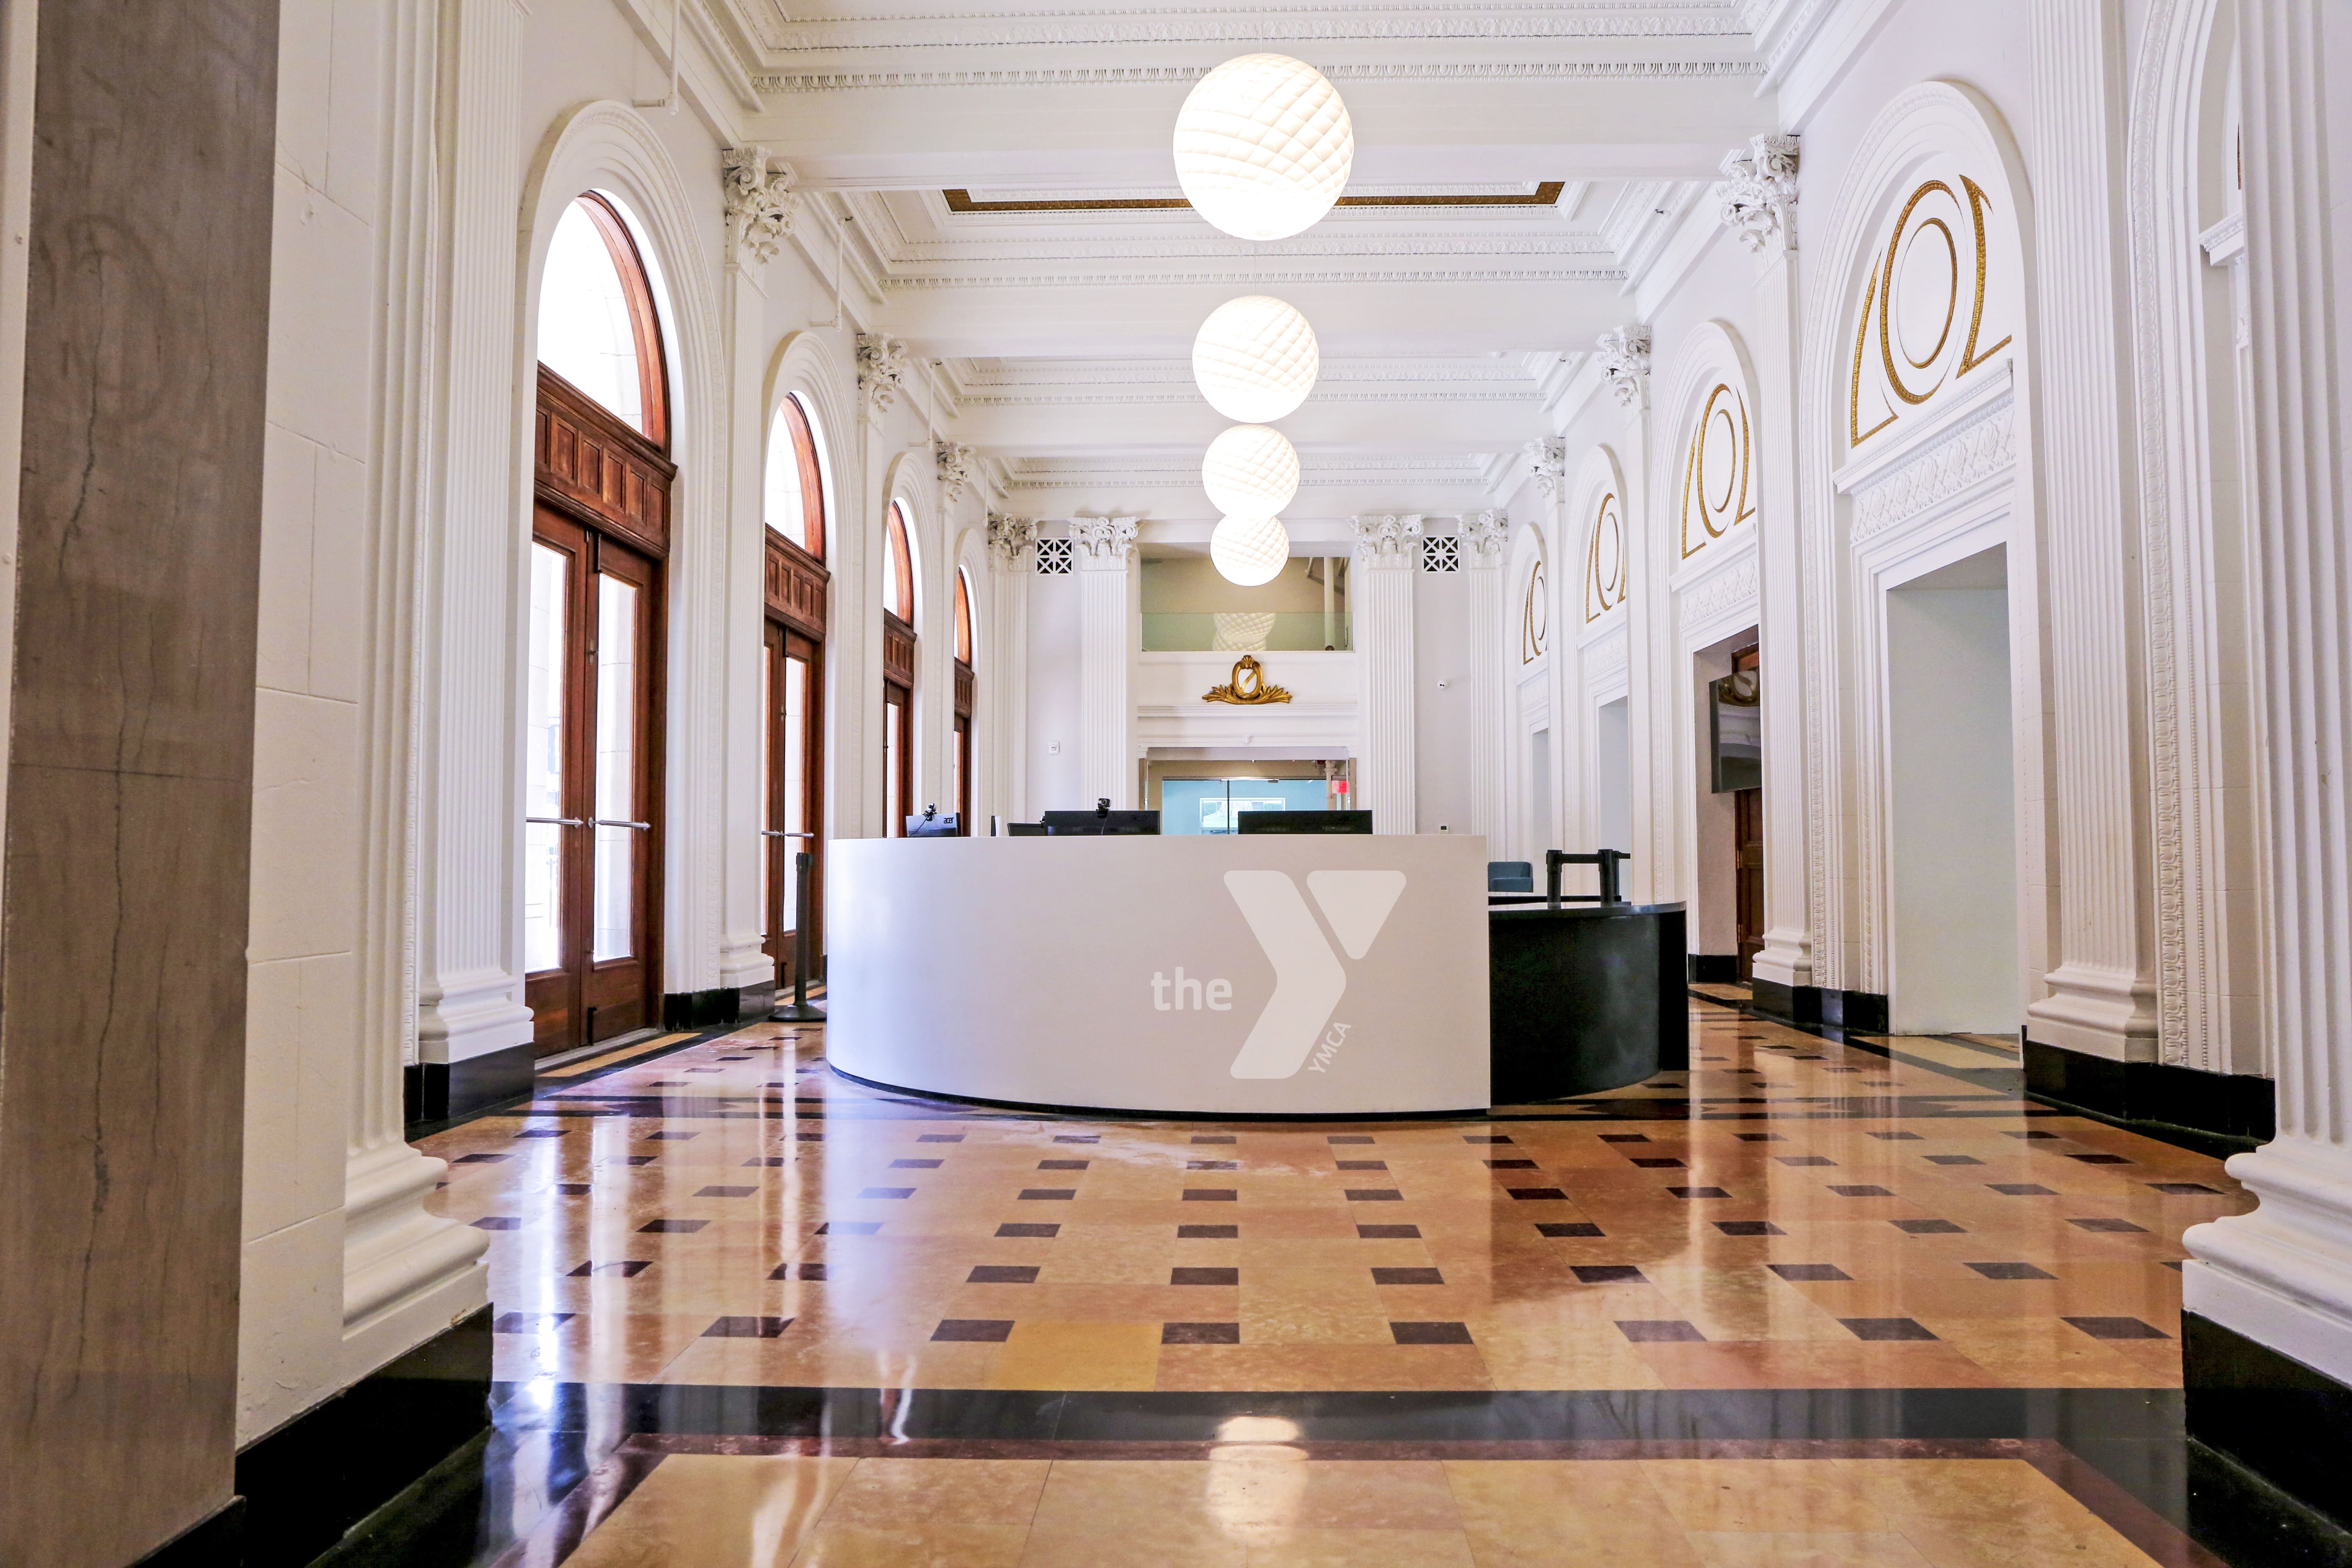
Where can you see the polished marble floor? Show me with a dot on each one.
(742, 1303)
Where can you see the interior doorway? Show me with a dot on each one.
(1951, 803)
(1612, 776)
(1539, 792)
(792, 695)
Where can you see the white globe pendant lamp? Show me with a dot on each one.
(1255, 359)
(1250, 471)
(1249, 551)
(1263, 146)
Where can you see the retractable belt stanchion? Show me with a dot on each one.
(800, 1009)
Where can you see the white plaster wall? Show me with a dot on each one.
(1053, 776)
(1446, 725)
(302, 1007)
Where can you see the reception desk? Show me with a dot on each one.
(1586, 998)
(1266, 976)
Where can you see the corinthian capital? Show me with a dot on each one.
(1009, 540)
(1387, 540)
(1760, 191)
(1625, 361)
(760, 200)
(1102, 542)
(881, 371)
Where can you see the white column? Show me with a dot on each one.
(1388, 554)
(468, 981)
(1787, 957)
(1485, 537)
(2102, 997)
(2283, 1274)
(406, 1274)
(1004, 676)
(1104, 546)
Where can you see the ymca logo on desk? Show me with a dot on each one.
(1308, 978)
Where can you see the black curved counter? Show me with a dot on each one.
(1585, 998)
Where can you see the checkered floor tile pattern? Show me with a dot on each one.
(1791, 1213)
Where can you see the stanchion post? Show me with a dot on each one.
(800, 1010)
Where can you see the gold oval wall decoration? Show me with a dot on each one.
(1535, 616)
(1934, 211)
(1604, 560)
(1722, 435)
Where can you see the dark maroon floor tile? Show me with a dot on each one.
(1860, 1190)
(1929, 1227)
(1407, 1276)
(1191, 1276)
(1748, 1227)
(479, 1159)
(1376, 1195)
(1041, 1232)
(1803, 1160)
(1213, 1164)
(1349, 1138)
(572, 1189)
(1361, 1165)
(1389, 1232)
(726, 1191)
(1536, 1195)
(627, 1270)
(2118, 1227)
(888, 1192)
(972, 1330)
(1660, 1330)
(2011, 1271)
(1659, 1163)
(1624, 1138)
(1200, 1333)
(1048, 1195)
(1211, 1195)
(1003, 1274)
(1953, 1160)
(1569, 1229)
(498, 1221)
(671, 1226)
(811, 1271)
(528, 1323)
(1065, 1164)
(916, 1164)
(1606, 1274)
(849, 1228)
(1898, 1137)
(1886, 1329)
(1431, 1333)
(2022, 1189)
(940, 1137)
(2101, 1160)
(1479, 1137)
(1699, 1191)
(1214, 1138)
(770, 1160)
(2185, 1189)
(747, 1327)
(1510, 1164)
(2118, 1328)
(1208, 1233)
(1807, 1273)
(1078, 1137)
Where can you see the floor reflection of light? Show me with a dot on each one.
(1256, 1475)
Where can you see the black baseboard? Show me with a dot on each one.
(1795, 1004)
(2242, 1517)
(2280, 1419)
(2232, 1112)
(709, 1010)
(210, 1543)
(437, 1092)
(1715, 969)
(1862, 1010)
(311, 1481)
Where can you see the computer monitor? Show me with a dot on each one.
(1024, 830)
(940, 825)
(1303, 821)
(1102, 824)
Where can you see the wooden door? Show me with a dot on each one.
(592, 784)
(792, 688)
(1747, 837)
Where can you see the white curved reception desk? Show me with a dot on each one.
(1255, 975)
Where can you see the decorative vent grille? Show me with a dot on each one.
(1053, 558)
(1441, 553)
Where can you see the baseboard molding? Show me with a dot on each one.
(209, 1544)
(721, 1005)
(309, 1481)
(1792, 1004)
(2217, 1113)
(437, 1092)
(1861, 1010)
(1715, 969)
(2281, 1420)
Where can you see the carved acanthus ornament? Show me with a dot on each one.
(881, 371)
(1102, 541)
(1387, 541)
(760, 200)
(1760, 191)
(1010, 540)
(954, 467)
(1625, 362)
(1483, 536)
(1548, 461)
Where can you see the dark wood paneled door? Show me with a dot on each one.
(1747, 837)
(793, 695)
(592, 738)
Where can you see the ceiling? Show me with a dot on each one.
(1003, 175)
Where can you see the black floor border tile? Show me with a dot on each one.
(545, 1089)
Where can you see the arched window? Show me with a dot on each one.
(796, 481)
(965, 684)
(898, 673)
(600, 533)
(597, 326)
(1535, 615)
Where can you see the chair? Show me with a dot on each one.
(1510, 876)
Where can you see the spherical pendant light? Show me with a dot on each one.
(1249, 470)
(1263, 146)
(1255, 359)
(1249, 551)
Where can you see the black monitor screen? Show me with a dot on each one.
(1303, 821)
(942, 825)
(1096, 824)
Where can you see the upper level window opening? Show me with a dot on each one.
(597, 326)
(964, 617)
(794, 503)
(899, 568)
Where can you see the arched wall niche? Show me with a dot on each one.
(608, 147)
(1896, 467)
(1530, 790)
(2187, 297)
(1595, 663)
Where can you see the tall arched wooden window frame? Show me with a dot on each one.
(966, 683)
(791, 690)
(898, 673)
(592, 830)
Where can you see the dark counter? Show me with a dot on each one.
(1585, 998)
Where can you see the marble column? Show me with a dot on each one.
(2101, 983)
(2282, 1276)
(1104, 548)
(1484, 542)
(1005, 674)
(1388, 555)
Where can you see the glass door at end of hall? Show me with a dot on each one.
(590, 865)
(792, 697)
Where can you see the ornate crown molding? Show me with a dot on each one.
(1103, 540)
(1125, 75)
(760, 201)
(1390, 539)
(1548, 461)
(1625, 362)
(1010, 540)
(1760, 191)
(955, 461)
(1294, 24)
(881, 371)
(1483, 536)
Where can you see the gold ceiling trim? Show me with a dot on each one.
(960, 201)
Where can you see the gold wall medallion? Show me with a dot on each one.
(1248, 687)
